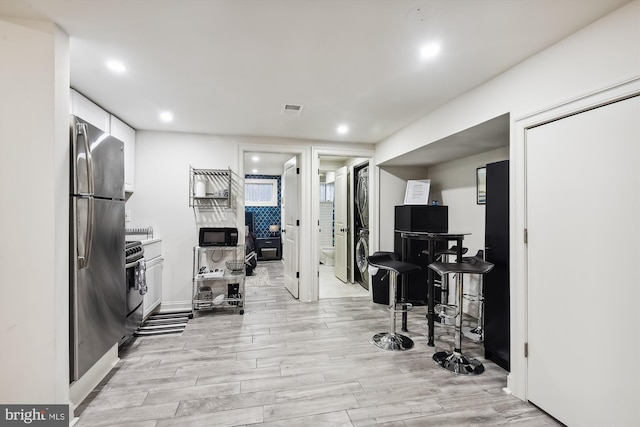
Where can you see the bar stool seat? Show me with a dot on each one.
(443, 256)
(455, 361)
(387, 261)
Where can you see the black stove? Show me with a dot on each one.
(133, 251)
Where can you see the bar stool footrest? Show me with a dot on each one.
(447, 311)
(473, 297)
(457, 363)
(475, 334)
(392, 342)
(408, 307)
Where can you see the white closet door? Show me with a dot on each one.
(583, 220)
(341, 225)
(291, 219)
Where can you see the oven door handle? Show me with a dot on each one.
(132, 264)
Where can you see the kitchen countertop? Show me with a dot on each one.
(149, 241)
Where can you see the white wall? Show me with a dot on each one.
(34, 177)
(453, 184)
(391, 193)
(161, 199)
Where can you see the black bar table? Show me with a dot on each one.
(431, 238)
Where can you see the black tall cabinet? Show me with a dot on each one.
(413, 218)
(496, 282)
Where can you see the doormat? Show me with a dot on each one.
(164, 323)
(260, 277)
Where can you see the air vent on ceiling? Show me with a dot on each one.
(292, 109)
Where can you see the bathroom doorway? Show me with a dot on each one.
(342, 217)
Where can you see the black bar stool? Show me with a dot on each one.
(386, 261)
(455, 361)
(443, 283)
(477, 333)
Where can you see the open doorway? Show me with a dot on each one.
(265, 205)
(343, 212)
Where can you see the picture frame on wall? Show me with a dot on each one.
(417, 192)
(481, 185)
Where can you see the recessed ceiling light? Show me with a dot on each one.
(255, 158)
(254, 170)
(342, 129)
(166, 116)
(116, 66)
(429, 50)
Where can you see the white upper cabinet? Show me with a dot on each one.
(90, 112)
(103, 120)
(126, 134)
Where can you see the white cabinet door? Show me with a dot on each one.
(153, 297)
(126, 134)
(90, 112)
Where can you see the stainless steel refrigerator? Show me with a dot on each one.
(97, 267)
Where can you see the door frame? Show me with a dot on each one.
(517, 378)
(316, 152)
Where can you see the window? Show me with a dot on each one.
(327, 192)
(260, 192)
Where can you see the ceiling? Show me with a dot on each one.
(228, 67)
(490, 135)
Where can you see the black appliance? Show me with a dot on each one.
(422, 218)
(135, 288)
(361, 218)
(413, 218)
(496, 282)
(218, 236)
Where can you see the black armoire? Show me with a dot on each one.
(496, 282)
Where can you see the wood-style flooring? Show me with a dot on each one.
(287, 363)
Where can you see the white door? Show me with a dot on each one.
(341, 220)
(291, 220)
(583, 221)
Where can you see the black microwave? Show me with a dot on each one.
(218, 236)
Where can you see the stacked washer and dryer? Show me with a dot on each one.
(362, 224)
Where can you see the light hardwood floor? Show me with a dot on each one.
(286, 363)
(331, 287)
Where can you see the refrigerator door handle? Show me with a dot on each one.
(89, 235)
(83, 184)
(85, 258)
(84, 130)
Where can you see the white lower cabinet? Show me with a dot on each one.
(154, 263)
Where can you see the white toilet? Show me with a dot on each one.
(328, 255)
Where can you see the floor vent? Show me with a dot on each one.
(161, 324)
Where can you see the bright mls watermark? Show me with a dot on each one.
(34, 415)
